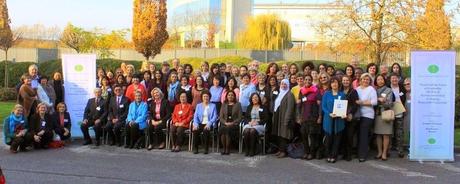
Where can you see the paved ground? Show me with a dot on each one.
(105, 164)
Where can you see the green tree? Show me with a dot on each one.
(78, 39)
(149, 27)
(433, 27)
(7, 38)
(265, 32)
(105, 42)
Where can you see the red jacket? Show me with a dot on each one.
(183, 114)
(130, 93)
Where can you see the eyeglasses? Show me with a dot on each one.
(407, 84)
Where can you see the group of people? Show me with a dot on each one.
(283, 104)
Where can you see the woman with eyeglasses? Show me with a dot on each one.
(383, 129)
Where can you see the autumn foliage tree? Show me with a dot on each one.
(149, 27)
(433, 28)
(77, 38)
(7, 38)
(265, 32)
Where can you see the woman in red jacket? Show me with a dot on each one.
(181, 117)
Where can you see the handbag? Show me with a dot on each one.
(388, 115)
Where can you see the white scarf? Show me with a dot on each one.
(282, 93)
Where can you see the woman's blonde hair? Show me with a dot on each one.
(17, 106)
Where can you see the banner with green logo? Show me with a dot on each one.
(432, 105)
(79, 72)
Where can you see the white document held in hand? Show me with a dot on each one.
(340, 107)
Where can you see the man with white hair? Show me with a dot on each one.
(33, 72)
(94, 116)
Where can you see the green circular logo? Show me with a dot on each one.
(79, 68)
(431, 141)
(433, 69)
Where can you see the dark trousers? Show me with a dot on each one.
(96, 127)
(114, 131)
(350, 132)
(282, 143)
(250, 136)
(205, 137)
(133, 134)
(364, 127)
(18, 142)
(46, 138)
(156, 134)
(333, 144)
(311, 137)
(63, 137)
(177, 135)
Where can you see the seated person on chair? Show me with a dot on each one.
(118, 112)
(94, 116)
(158, 115)
(256, 116)
(181, 117)
(204, 120)
(230, 116)
(136, 122)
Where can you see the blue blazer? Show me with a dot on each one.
(330, 125)
(212, 115)
(138, 114)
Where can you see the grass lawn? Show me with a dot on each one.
(5, 110)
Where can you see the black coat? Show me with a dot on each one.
(95, 111)
(57, 124)
(35, 124)
(119, 111)
(165, 111)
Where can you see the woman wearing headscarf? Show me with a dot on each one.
(283, 118)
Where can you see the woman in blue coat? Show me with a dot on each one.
(204, 120)
(14, 129)
(136, 122)
(333, 125)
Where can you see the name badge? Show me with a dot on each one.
(262, 93)
(122, 106)
(275, 92)
(43, 123)
(180, 112)
(261, 110)
(149, 99)
(408, 101)
(401, 94)
(304, 99)
(66, 120)
(229, 117)
(98, 108)
(22, 121)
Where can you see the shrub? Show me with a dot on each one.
(8, 94)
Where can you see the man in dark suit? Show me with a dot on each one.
(94, 116)
(118, 111)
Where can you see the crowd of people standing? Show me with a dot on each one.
(287, 104)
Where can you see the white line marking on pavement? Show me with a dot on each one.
(326, 169)
(403, 171)
(446, 166)
(253, 161)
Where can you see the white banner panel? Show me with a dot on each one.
(432, 105)
(79, 73)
